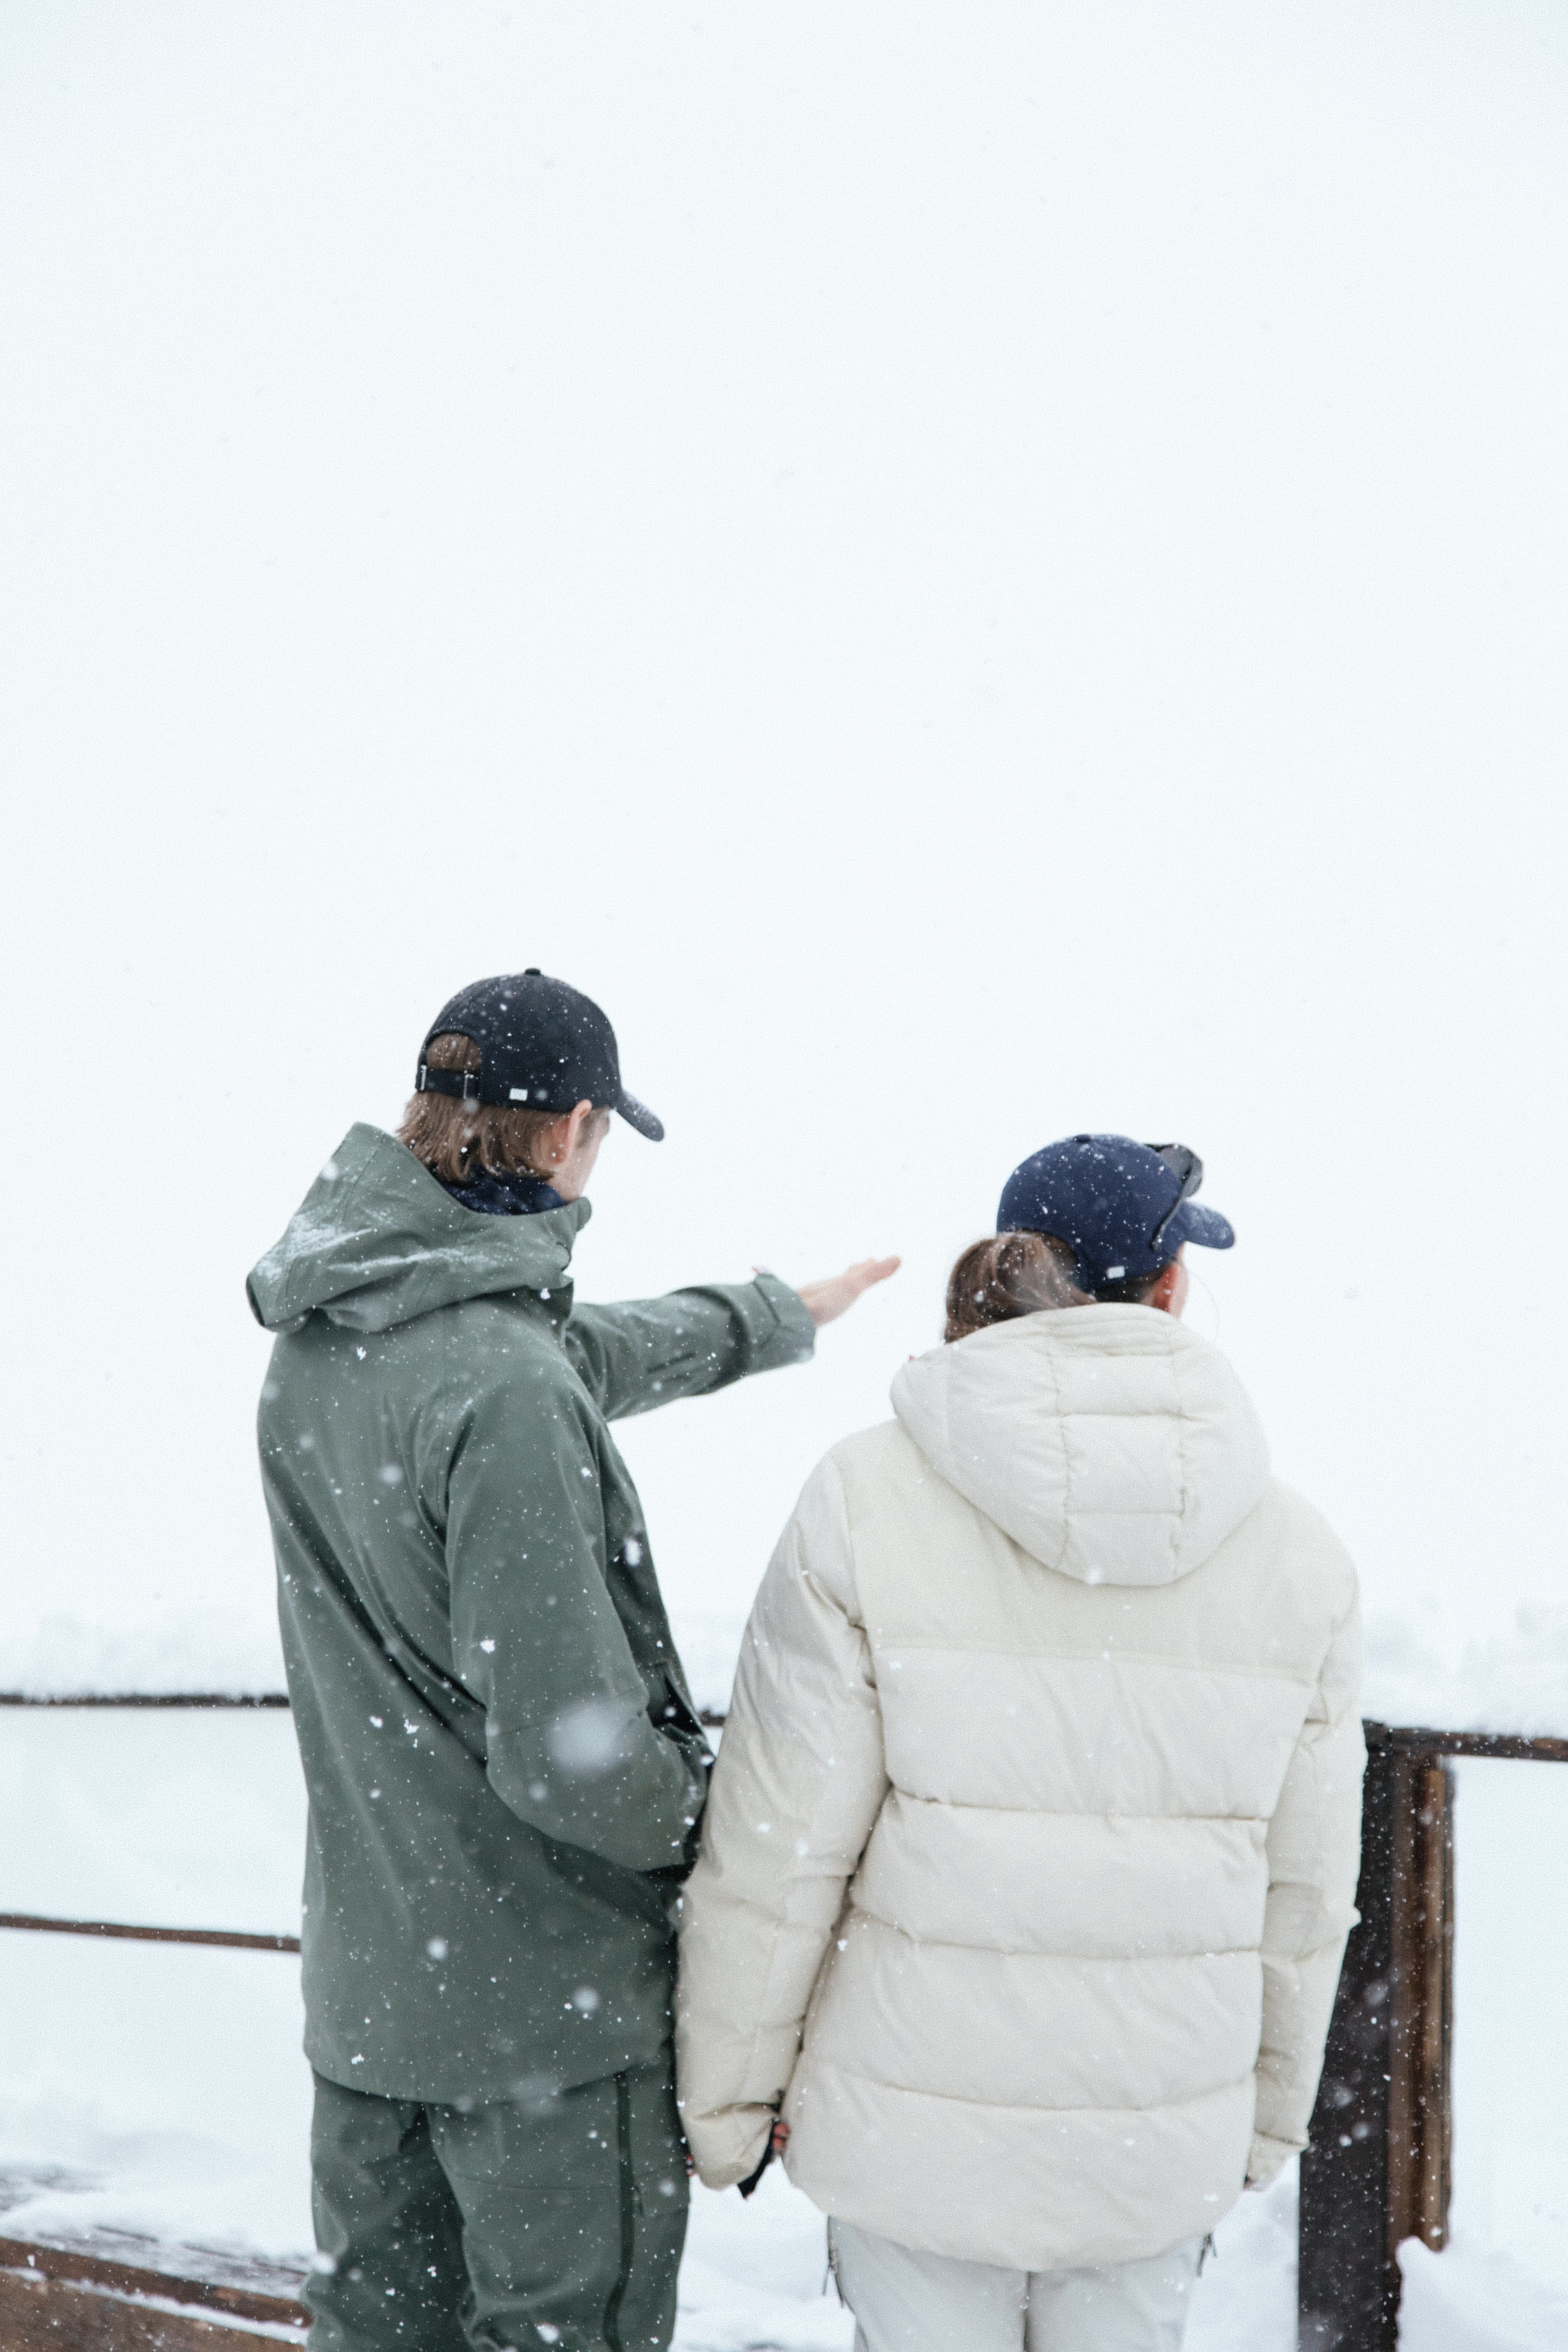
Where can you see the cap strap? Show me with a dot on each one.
(462, 1085)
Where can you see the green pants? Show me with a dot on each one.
(554, 2222)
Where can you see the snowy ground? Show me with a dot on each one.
(158, 2093)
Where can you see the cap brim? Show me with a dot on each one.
(637, 1114)
(1205, 1226)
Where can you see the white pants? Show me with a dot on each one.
(907, 2302)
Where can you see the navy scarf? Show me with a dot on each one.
(512, 1195)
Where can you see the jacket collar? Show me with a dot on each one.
(511, 1195)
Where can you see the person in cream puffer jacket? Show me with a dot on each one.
(1032, 1847)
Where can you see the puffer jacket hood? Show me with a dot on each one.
(377, 1241)
(1112, 1443)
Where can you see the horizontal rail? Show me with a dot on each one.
(144, 1698)
(1414, 1737)
(67, 2266)
(711, 1719)
(34, 1924)
(1406, 1739)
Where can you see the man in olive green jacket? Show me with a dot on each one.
(505, 1768)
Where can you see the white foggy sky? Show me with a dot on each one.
(970, 576)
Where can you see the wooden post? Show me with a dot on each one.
(1348, 2286)
(1377, 2171)
(1420, 2125)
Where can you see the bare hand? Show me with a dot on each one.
(826, 1301)
(780, 2138)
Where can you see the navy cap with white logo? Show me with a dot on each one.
(541, 1044)
(1123, 1208)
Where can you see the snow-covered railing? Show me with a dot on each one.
(74, 2299)
(1378, 2169)
(143, 1698)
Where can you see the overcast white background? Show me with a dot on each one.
(969, 574)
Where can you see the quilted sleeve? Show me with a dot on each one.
(1314, 1859)
(798, 1785)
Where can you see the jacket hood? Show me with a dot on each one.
(1110, 1442)
(377, 1241)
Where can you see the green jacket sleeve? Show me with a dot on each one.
(570, 1746)
(651, 1351)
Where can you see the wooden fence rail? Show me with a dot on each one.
(144, 1698)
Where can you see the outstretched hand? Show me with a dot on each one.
(826, 1301)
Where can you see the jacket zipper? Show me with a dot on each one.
(628, 2212)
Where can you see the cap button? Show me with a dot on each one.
(531, 972)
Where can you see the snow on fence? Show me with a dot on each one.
(1377, 2174)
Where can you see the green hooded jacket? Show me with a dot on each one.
(504, 1765)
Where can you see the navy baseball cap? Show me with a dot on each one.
(540, 1043)
(1123, 1208)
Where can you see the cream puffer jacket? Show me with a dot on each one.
(1032, 1847)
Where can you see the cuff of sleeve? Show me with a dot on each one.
(727, 2145)
(794, 1339)
(1266, 2158)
